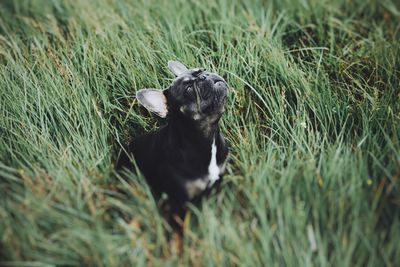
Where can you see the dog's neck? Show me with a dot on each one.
(200, 131)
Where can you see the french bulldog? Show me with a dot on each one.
(186, 157)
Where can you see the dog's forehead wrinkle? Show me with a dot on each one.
(192, 73)
(183, 79)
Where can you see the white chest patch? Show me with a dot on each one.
(196, 187)
(213, 169)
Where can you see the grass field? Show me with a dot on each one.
(313, 122)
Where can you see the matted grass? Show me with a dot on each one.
(313, 122)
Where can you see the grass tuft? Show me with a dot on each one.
(312, 119)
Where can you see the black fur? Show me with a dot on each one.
(181, 150)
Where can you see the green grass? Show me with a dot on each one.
(313, 122)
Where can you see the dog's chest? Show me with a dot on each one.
(197, 186)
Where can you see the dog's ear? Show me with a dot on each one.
(154, 101)
(176, 67)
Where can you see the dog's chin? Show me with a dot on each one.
(208, 113)
(210, 117)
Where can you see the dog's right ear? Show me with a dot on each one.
(153, 100)
(176, 67)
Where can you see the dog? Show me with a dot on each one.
(186, 157)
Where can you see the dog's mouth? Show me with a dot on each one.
(211, 86)
(221, 88)
(214, 103)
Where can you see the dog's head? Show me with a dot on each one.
(195, 94)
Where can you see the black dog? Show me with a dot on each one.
(186, 157)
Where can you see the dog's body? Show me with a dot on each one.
(179, 161)
(186, 157)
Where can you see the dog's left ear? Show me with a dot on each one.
(154, 101)
(176, 67)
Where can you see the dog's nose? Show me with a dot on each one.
(219, 82)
